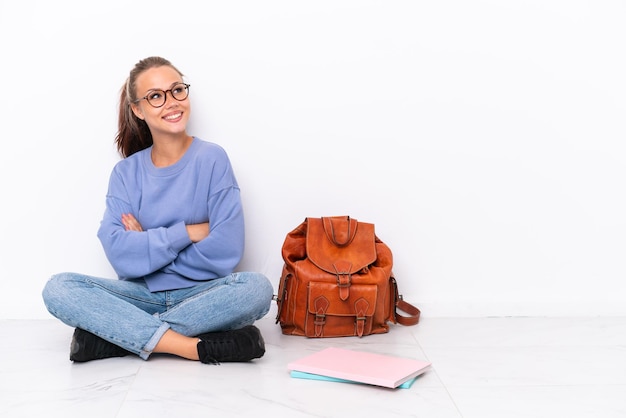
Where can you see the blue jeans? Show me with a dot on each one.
(127, 314)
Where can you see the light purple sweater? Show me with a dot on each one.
(200, 187)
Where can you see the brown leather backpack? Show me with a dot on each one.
(337, 281)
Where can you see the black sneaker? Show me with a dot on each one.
(242, 344)
(86, 346)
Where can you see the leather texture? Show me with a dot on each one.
(337, 281)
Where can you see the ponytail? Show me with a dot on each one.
(133, 134)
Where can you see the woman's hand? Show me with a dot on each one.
(197, 232)
(130, 223)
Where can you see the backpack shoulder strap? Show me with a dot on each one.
(412, 316)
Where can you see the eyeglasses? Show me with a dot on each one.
(157, 98)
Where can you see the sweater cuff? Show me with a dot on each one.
(178, 237)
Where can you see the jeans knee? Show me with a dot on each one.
(264, 292)
(267, 288)
(55, 281)
(56, 288)
(260, 285)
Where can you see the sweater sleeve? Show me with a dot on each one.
(135, 254)
(218, 254)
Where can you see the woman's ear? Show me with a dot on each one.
(137, 111)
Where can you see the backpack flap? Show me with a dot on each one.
(340, 242)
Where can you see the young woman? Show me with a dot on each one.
(173, 230)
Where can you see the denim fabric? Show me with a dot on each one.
(126, 313)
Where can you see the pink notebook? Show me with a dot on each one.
(360, 366)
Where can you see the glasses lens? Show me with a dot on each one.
(180, 91)
(156, 98)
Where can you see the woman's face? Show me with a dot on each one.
(171, 118)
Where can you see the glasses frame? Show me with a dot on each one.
(164, 95)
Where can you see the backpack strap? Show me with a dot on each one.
(413, 313)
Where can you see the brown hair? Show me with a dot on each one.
(133, 134)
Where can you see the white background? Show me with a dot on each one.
(484, 139)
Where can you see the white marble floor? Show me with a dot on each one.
(482, 368)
